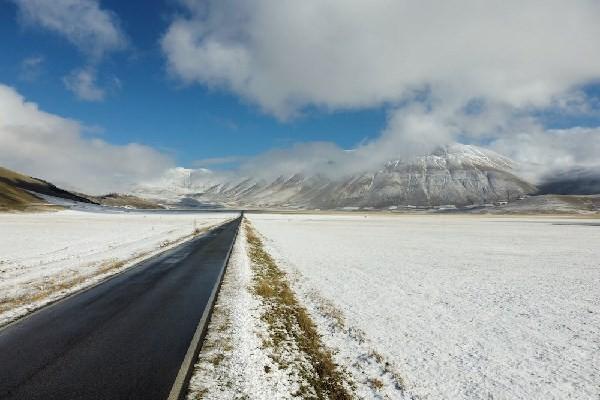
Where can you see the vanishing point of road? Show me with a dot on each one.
(125, 338)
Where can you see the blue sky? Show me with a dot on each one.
(190, 122)
(198, 80)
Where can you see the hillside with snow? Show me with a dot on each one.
(457, 174)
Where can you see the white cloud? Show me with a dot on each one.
(82, 82)
(460, 70)
(544, 152)
(93, 30)
(31, 68)
(285, 55)
(539, 153)
(44, 145)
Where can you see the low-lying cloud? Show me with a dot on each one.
(544, 153)
(48, 146)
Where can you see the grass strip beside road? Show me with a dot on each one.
(290, 326)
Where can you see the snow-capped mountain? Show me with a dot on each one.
(456, 174)
(175, 184)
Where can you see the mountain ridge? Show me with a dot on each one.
(457, 174)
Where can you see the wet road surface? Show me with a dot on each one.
(123, 339)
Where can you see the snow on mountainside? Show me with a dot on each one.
(174, 184)
(456, 174)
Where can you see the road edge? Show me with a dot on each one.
(106, 278)
(180, 386)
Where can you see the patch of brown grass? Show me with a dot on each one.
(109, 266)
(387, 369)
(216, 359)
(195, 232)
(200, 394)
(327, 309)
(286, 319)
(375, 383)
(42, 292)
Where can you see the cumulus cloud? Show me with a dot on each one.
(83, 84)
(459, 70)
(93, 30)
(48, 146)
(350, 53)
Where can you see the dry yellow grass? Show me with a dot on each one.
(42, 292)
(375, 383)
(286, 319)
(338, 326)
(13, 198)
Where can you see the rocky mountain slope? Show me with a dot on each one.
(582, 181)
(457, 174)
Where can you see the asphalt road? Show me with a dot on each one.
(123, 339)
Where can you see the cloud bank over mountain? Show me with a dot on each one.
(446, 71)
(456, 71)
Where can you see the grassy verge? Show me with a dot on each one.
(290, 326)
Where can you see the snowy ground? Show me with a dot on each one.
(45, 256)
(450, 307)
(233, 362)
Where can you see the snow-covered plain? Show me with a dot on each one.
(57, 253)
(463, 307)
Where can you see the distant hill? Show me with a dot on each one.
(125, 200)
(16, 191)
(13, 198)
(546, 204)
(20, 192)
(579, 182)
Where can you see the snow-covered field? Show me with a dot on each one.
(459, 307)
(45, 256)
